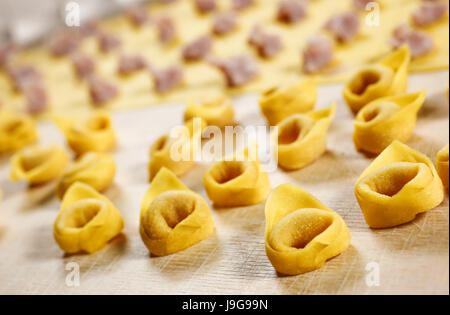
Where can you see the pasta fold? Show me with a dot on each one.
(94, 169)
(175, 151)
(38, 165)
(389, 77)
(302, 138)
(442, 166)
(399, 184)
(218, 112)
(16, 132)
(301, 233)
(173, 217)
(87, 221)
(239, 181)
(385, 120)
(279, 103)
(92, 134)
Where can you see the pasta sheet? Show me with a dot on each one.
(68, 95)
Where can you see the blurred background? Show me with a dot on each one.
(23, 21)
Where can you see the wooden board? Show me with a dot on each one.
(412, 259)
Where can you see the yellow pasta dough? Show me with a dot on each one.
(442, 165)
(240, 181)
(175, 151)
(87, 221)
(389, 77)
(201, 80)
(302, 138)
(16, 132)
(385, 120)
(399, 184)
(39, 165)
(301, 233)
(218, 112)
(279, 103)
(93, 134)
(95, 169)
(173, 217)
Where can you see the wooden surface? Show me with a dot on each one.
(413, 258)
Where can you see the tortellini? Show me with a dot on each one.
(173, 218)
(38, 165)
(16, 132)
(95, 169)
(240, 181)
(399, 184)
(442, 166)
(87, 221)
(218, 112)
(302, 138)
(93, 134)
(175, 151)
(279, 103)
(389, 77)
(385, 120)
(302, 233)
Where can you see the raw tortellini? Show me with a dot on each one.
(240, 181)
(175, 151)
(38, 165)
(93, 134)
(218, 112)
(399, 184)
(389, 77)
(385, 120)
(302, 233)
(95, 169)
(87, 221)
(442, 166)
(302, 138)
(173, 218)
(16, 132)
(279, 103)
